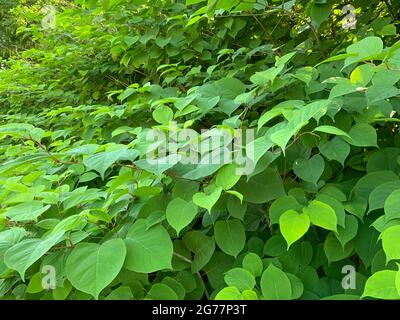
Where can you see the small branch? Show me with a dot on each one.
(183, 258)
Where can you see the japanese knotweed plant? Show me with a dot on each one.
(85, 214)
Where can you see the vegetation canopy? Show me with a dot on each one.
(307, 90)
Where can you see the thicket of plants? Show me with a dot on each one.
(77, 193)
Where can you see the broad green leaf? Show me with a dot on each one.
(390, 242)
(163, 115)
(379, 195)
(25, 253)
(362, 135)
(160, 291)
(331, 130)
(384, 159)
(382, 285)
(321, 215)
(240, 278)
(334, 250)
(261, 188)
(362, 75)
(275, 284)
(227, 176)
(101, 161)
(275, 246)
(230, 236)
(26, 211)
(336, 205)
(363, 49)
(367, 183)
(249, 295)
(392, 206)
(281, 205)
(297, 286)
(349, 232)
(263, 78)
(309, 170)
(253, 263)
(335, 149)
(159, 165)
(91, 267)
(35, 283)
(236, 208)
(293, 226)
(202, 246)
(381, 92)
(121, 293)
(176, 286)
(180, 213)
(185, 189)
(366, 243)
(148, 250)
(229, 293)
(207, 201)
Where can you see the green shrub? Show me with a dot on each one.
(81, 204)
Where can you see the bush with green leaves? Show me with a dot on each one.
(85, 215)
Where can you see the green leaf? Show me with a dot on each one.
(309, 170)
(253, 263)
(236, 208)
(180, 213)
(262, 188)
(381, 92)
(202, 246)
(379, 195)
(382, 285)
(390, 242)
(349, 232)
(363, 49)
(367, 183)
(163, 115)
(91, 267)
(227, 176)
(397, 281)
(362, 135)
(101, 161)
(185, 189)
(331, 130)
(366, 244)
(26, 211)
(240, 278)
(35, 283)
(334, 250)
(159, 165)
(249, 295)
(335, 149)
(319, 13)
(229, 293)
(362, 75)
(121, 293)
(230, 236)
(275, 284)
(207, 201)
(336, 205)
(25, 253)
(392, 206)
(321, 215)
(297, 286)
(281, 205)
(263, 78)
(148, 250)
(160, 291)
(293, 226)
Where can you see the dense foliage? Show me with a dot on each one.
(79, 197)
